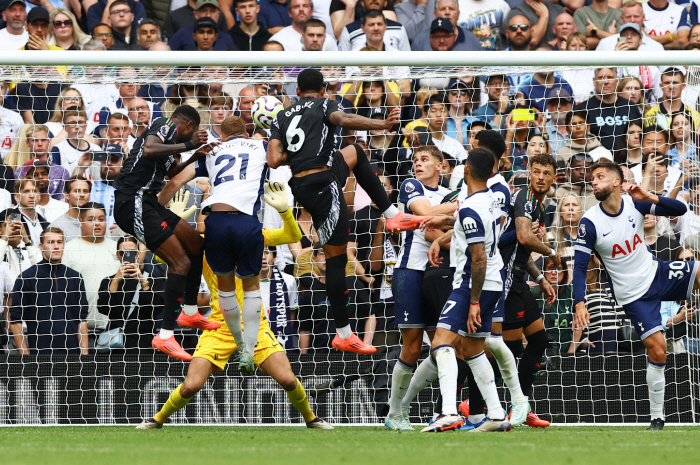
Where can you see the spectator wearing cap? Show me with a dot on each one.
(100, 13)
(632, 34)
(291, 36)
(205, 34)
(564, 26)
(183, 39)
(462, 97)
(184, 18)
(443, 35)
(672, 84)
(559, 105)
(147, 34)
(249, 33)
(104, 33)
(632, 12)
(102, 191)
(77, 194)
(46, 206)
(535, 88)
(38, 29)
(446, 9)
(498, 102)
(14, 35)
(541, 15)
(31, 146)
(597, 21)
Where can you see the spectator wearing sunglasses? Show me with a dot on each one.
(64, 31)
(579, 181)
(518, 33)
(38, 29)
(541, 15)
(446, 9)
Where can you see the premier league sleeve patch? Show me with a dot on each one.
(582, 230)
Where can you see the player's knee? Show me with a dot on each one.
(190, 387)
(516, 347)
(288, 381)
(657, 353)
(410, 353)
(538, 341)
(180, 266)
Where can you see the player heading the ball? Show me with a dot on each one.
(302, 136)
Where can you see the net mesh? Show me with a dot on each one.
(600, 380)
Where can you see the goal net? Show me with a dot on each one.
(64, 124)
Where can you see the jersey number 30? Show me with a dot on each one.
(230, 161)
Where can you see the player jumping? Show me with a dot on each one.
(302, 136)
(216, 347)
(137, 212)
(614, 230)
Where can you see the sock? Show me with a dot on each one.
(336, 289)
(298, 399)
(483, 374)
(477, 406)
(425, 374)
(462, 372)
(391, 212)
(657, 387)
(447, 372)
(344, 332)
(174, 292)
(400, 379)
(252, 302)
(516, 347)
(190, 310)
(174, 403)
(474, 419)
(530, 362)
(507, 366)
(367, 178)
(232, 316)
(166, 333)
(194, 279)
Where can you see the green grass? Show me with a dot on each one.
(349, 445)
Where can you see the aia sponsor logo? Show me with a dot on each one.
(626, 248)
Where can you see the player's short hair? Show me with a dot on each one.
(232, 126)
(480, 162)
(434, 100)
(68, 185)
(50, 230)
(433, 151)
(91, 206)
(120, 2)
(22, 182)
(656, 128)
(313, 22)
(542, 159)
(119, 116)
(570, 116)
(310, 80)
(187, 112)
(73, 112)
(610, 167)
(492, 141)
(372, 14)
(221, 99)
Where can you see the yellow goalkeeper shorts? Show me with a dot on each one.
(218, 345)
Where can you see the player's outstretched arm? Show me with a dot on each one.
(646, 202)
(175, 184)
(276, 156)
(526, 237)
(352, 121)
(153, 147)
(290, 233)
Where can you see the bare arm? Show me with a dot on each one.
(20, 340)
(370, 328)
(304, 341)
(352, 121)
(539, 30)
(478, 254)
(83, 337)
(342, 18)
(276, 155)
(225, 7)
(28, 117)
(175, 183)
(523, 230)
(376, 256)
(423, 208)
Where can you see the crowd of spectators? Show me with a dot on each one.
(69, 274)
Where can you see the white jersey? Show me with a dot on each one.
(212, 136)
(414, 248)
(662, 22)
(237, 170)
(619, 243)
(478, 222)
(67, 155)
(10, 124)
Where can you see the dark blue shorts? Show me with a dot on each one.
(673, 281)
(409, 308)
(233, 242)
(456, 312)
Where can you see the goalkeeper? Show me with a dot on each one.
(216, 347)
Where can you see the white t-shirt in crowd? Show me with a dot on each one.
(10, 124)
(34, 227)
(648, 44)
(660, 22)
(5, 199)
(52, 210)
(70, 154)
(94, 261)
(92, 92)
(12, 42)
(474, 14)
(322, 11)
(291, 40)
(452, 147)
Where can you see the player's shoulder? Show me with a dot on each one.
(412, 185)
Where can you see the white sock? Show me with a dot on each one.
(508, 367)
(484, 377)
(344, 332)
(447, 373)
(400, 379)
(165, 333)
(474, 419)
(425, 374)
(190, 309)
(657, 387)
(391, 212)
(252, 302)
(228, 304)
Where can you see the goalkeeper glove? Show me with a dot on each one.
(179, 202)
(276, 196)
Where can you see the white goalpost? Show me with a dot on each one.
(578, 384)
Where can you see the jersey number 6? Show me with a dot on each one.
(292, 131)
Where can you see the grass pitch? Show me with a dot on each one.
(346, 445)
